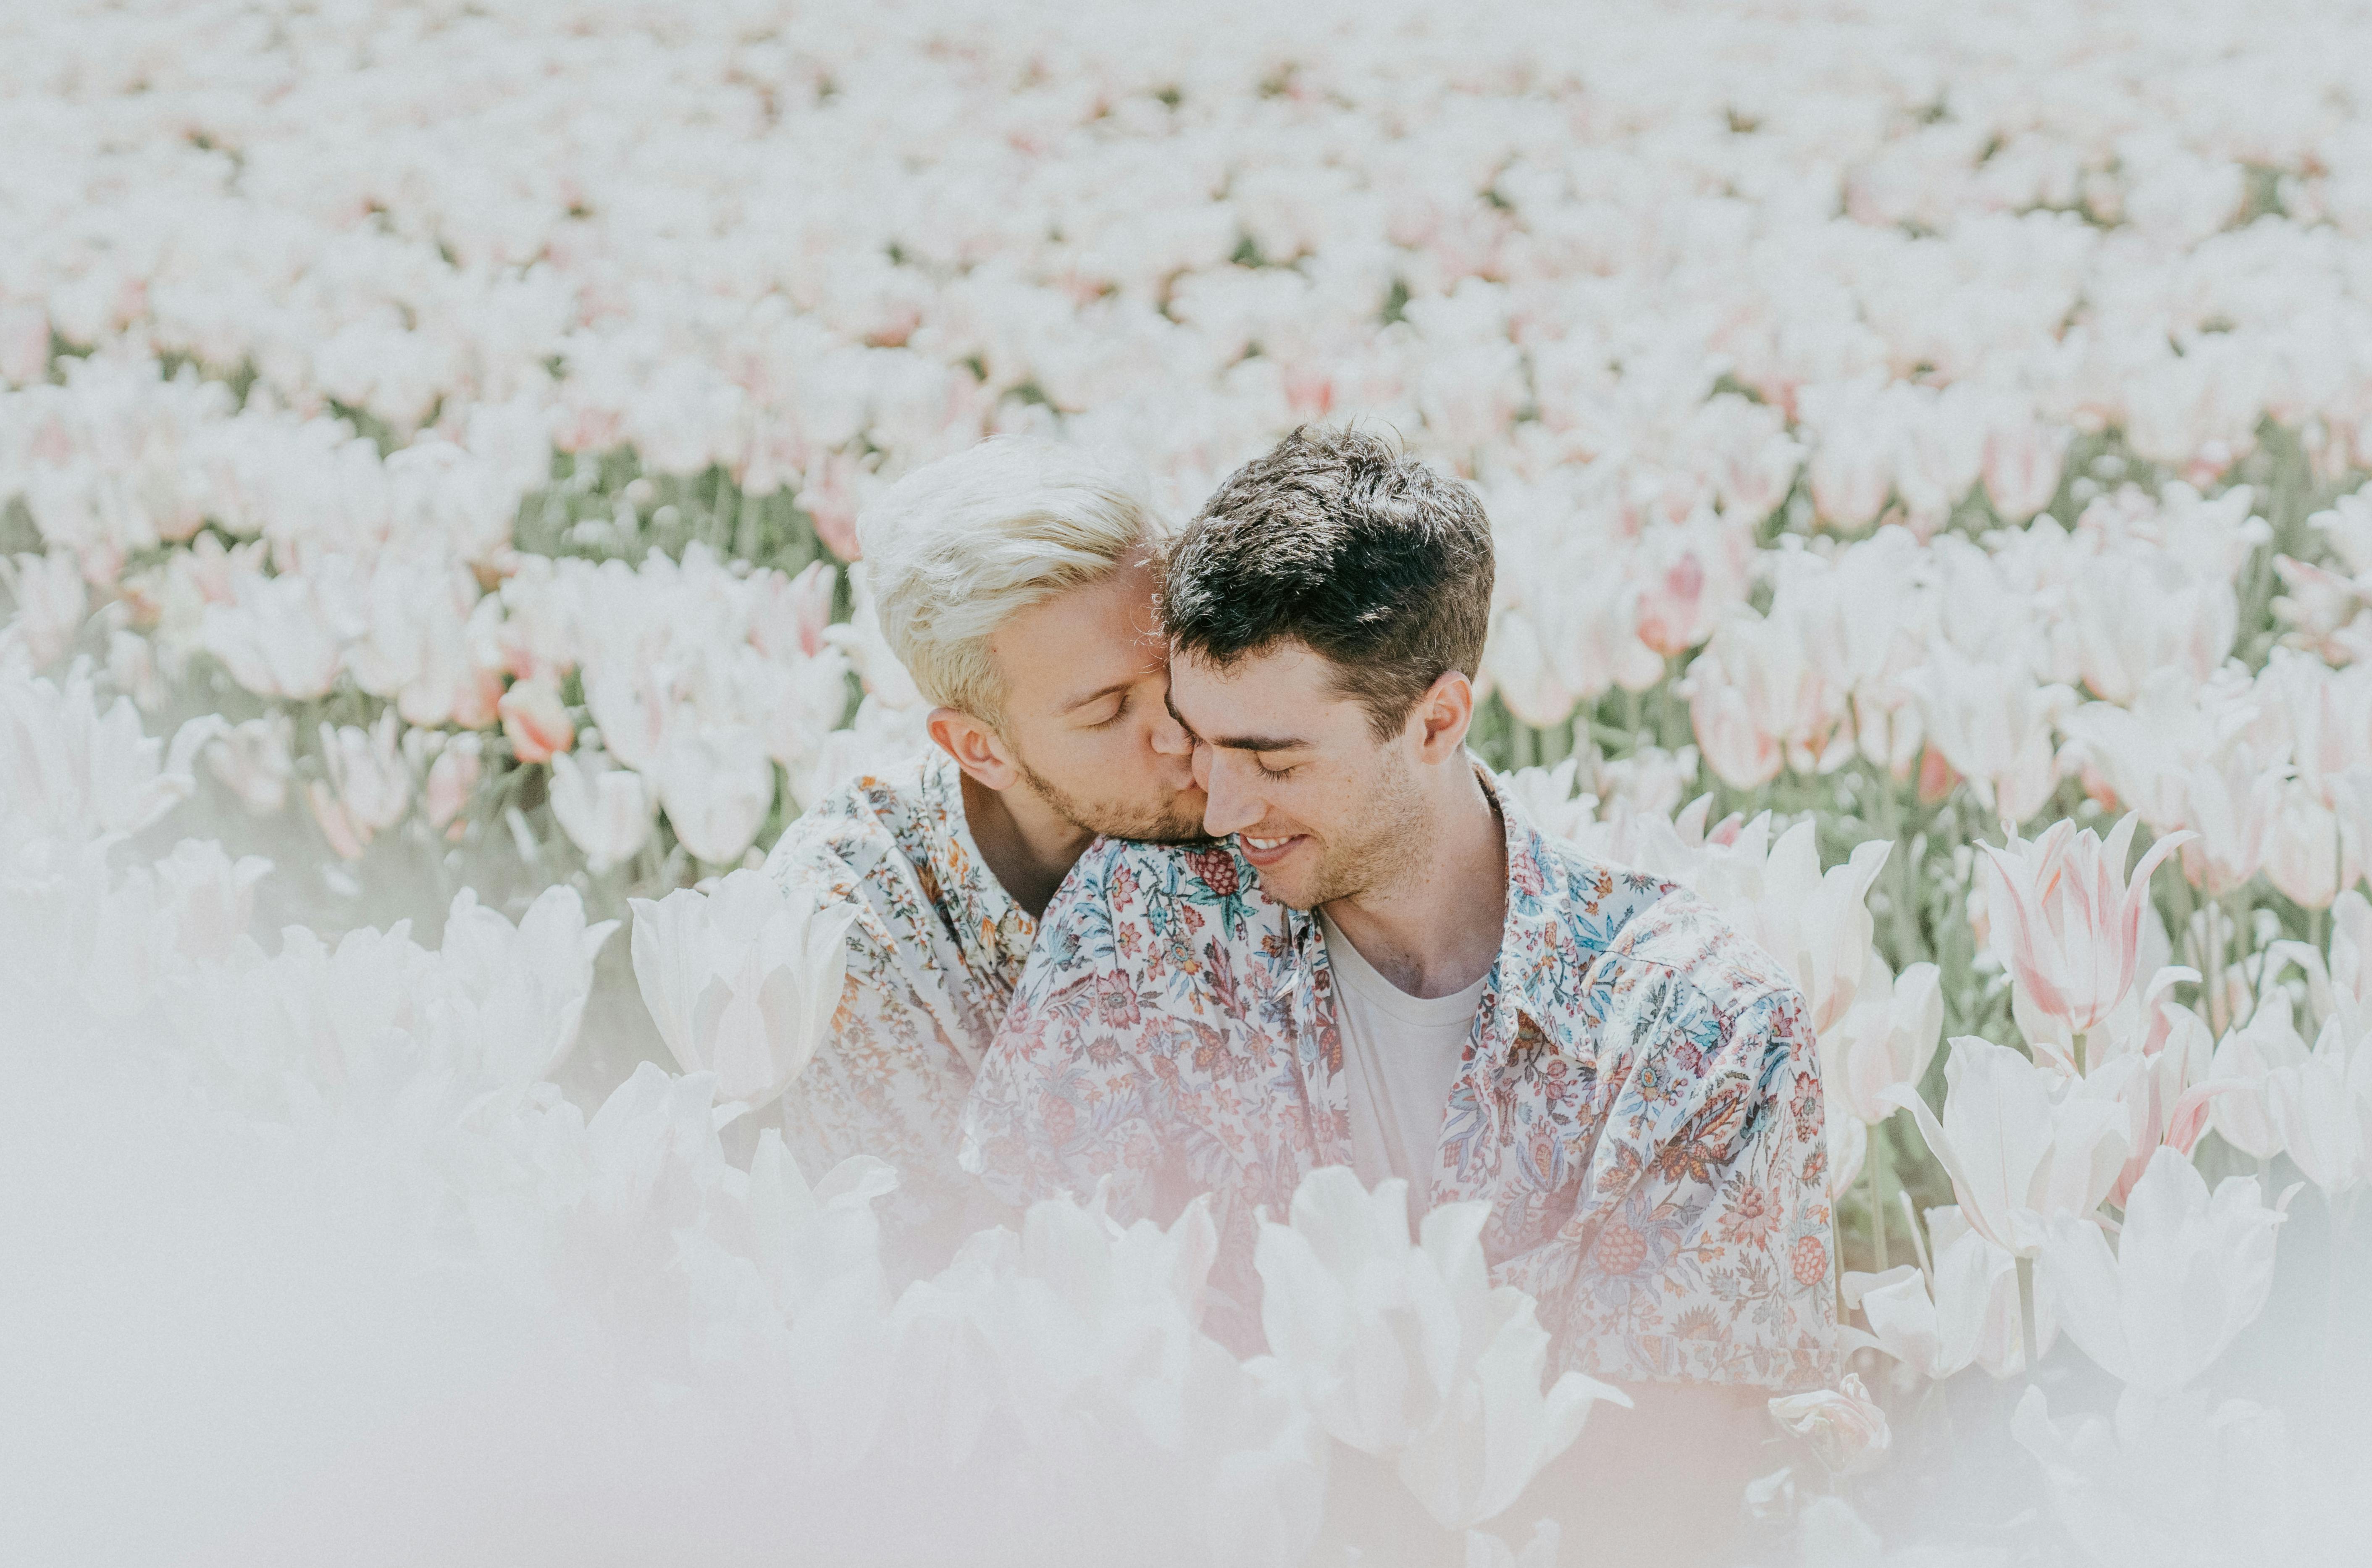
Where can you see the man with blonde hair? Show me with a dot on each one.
(1015, 582)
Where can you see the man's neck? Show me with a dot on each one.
(1028, 848)
(1436, 929)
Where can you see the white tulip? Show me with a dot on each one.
(1409, 1351)
(1847, 1138)
(606, 810)
(255, 759)
(2169, 1480)
(1816, 923)
(1886, 1038)
(2244, 1060)
(716, 786)
(2189, 1273)
(1844, 1425)
(742, 981)
(2322, 1105)
(274, 637)
(1962, 1311)
(2022, 1144)
(51, 603)
(74, 772)
(513, 994)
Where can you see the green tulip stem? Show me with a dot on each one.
(2026, 1315)
(1875, 1169)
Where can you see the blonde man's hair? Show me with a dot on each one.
(960, 546)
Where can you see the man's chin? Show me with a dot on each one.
(1165, 829)
(1166, 832)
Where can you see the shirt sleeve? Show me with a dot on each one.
(1700, 1247)
(889, 1081)
(1065, 1099)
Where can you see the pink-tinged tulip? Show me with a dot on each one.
(368, 787)
(1760, 699)
(537, 721)
(1520, 671)
(2022, 1143)
(2022, 463)
(1994, 723)
(2168, 1096)
(451, 779)
(2066, 921)
(790, 614)
(346, 839)
(1852, 472)
(2319, 607)
(2138, 609)
(1675, 612)
(830, 497)
(2189, 1273)
(1740, 754)
(24, 343)
(1844, 1425)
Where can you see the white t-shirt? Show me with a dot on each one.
(1399, 1056)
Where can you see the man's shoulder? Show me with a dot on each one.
(1119, 876)
(1684, 932)
(1623, 918)
(906, 810)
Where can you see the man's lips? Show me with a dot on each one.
(1265, 851)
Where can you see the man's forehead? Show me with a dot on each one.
(1287, 692)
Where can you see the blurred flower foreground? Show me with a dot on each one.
(1927, 446)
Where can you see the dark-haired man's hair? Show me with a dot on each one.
(1337, 540)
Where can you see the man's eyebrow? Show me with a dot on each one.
(1100, 691)
(1169, 700)
(1255, 743)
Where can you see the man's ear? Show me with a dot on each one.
(978, 749)
(1443, 716)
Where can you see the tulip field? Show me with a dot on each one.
(1929, 450)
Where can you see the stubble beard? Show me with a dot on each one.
(1378, 847)
(1169, 823)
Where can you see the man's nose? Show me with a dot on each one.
(1167, 737)
(1229, 806)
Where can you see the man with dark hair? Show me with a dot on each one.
(1385, 965)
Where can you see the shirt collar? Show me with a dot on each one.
(1515, 993)
(977, 902)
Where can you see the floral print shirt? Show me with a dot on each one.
(1639, 1102)
(933, 957)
